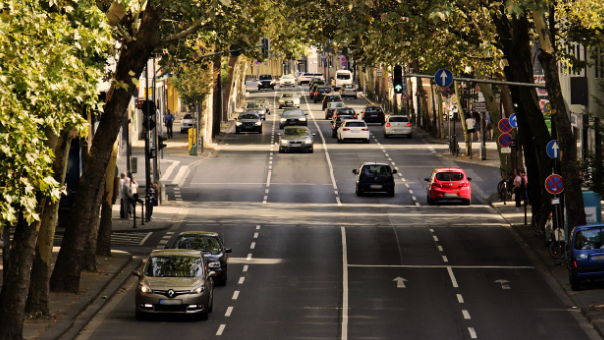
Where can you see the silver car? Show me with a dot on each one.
(296, 138)
(257, 107)
(174, 281)
(348, 90)
(289, 99)
(186, 123)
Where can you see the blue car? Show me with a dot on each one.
(586, 254)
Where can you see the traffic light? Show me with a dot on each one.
(161, 140)
(265, 45)
(397, 79)
(330, 61)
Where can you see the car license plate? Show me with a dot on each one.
(393, 130)
(296, 145)
(375, 186)
(290, 103)
(598, 258)
(170, 302)
(450, 195)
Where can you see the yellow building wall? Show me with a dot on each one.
(173, 103)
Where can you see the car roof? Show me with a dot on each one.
(375, 163)
(176, 252)
(199, 233)
(449, 170)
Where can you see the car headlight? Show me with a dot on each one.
(283, 119)
(308, 141)
(281, 101)
(144, 288)
(284, 142)
(199, 289)
(214, 264)
(302, 119)
(237, 123)
(258, 123)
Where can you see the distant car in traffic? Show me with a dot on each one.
(331, 108)
(348, 90)
(331, 97)
(186, 122)
(343, 77)
(248, 121)
(210, 244)
(258, 107)
(266, 81)
(287, 80)
(373, 114)
(289, 99)
(353, 129)
(337, 120)
(398, 125)
(320, 92)
(174, 281)
(449, 184)
(313, 82)
(305, 78)
(374, 177)
(293, 117)
(296, 138)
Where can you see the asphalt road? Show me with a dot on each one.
(311, 260)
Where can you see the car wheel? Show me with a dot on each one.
(237, 131)
(311, 151)
(280, 150)
(280, 107)
(260, 131)
(204, 314)
(367, 140)
(355, 97)
(574, 282)
(298, 106)
(334, 134)
(386, 136)
(468, 201)
(339, 140)
(430, 201)
(140, 316)
(391, 194)
(409, 135)
(281, 127)
(356, 191)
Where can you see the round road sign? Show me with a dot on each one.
(504, 125)
(554, 184)
(513, 120)
(505, 140)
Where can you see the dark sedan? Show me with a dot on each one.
(320, 92)
(248, 121)
(374, 177)
(293, 117)
(373, 114)
(296, 138)
(213, 250)
(332, 97)
(337, 121)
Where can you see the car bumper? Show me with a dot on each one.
(398, 131)
(249, 128)
(302, 147)
(289, 104)
(376, 187)
(355, 135)
(265, 85)
(374, 119)
(186, 304)
(441, 195)
(348, 94)
(287, 84)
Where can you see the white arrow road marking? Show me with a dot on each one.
(504, 284)
(400, 282)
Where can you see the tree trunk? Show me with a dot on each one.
(89, 262)
(216, 98)
(226, 99)
(103, 243)
(37, 299)
(462, 117)
(493, 107)
(133, 57)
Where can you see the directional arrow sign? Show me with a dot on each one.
(443, 77)
(400, 282)
(553, 149)
(504, 284)
(513, 121)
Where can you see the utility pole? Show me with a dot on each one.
(148, 118)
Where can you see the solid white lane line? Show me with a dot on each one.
(235, 295)
(256, 234)
(241, 279)
(466, 314)
(435, 238)
(249, 257)
(220, 329)
(344, 331)
(452, 276)
(253, 245)
(472, 333)
(440, 248)
(459, 298)
(245, 268)
(445, 259)
(228, 311)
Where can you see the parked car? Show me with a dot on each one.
(186, 122)
(449, 184)
(373, 114)
(320, 92)
(353, 129)
(374, 177)
(397, 125)
(331, 97)
(266, 81)
(348, 90)
(248, 121)
(289, 99)
(586, 254)
(331, 107)
(258, 107)
(336, 122)
(296, 138)
(287, 80)
(174, 281)
(211, 246)
(293, 117)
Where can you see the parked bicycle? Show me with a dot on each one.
(505, 186)
(453, 145)
(556, 248)
(538, 221)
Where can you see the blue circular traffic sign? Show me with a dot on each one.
(505, 140)
(554, 184)
(553, 149)
(513, 121)
(443, 77)
(504, 125)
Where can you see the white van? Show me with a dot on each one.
(343, 77)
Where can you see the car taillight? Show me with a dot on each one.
(435, 185)
(364, 129)
(575, 263)
(346, 129)
(388, 124)
(354, 116)
(408, 124)
(464, 185)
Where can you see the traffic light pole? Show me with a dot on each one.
(147, 159)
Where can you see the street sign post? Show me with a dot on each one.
(513, 121)
(553, 149)
(443, 77)
(554, 184)
(504, 125)
(505, 140)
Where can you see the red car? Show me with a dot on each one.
(449, 184)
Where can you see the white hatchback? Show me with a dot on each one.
(353, 129)
(397, 125)
(287, 80)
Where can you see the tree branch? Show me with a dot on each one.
(177, 36)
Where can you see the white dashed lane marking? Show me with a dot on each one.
(235, 295)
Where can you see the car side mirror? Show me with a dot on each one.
(469, 179)
(228, 250)
(426, 179)
(355, 171)
(212, 274)
(136, 273)
(394, 171)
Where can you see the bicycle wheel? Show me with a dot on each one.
(537, 222)
(501, 190)
(556, 250)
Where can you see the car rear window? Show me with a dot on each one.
(449, 176)
(345, 111)
(318, 74)
(376, 170)
(588, 239)
(355, 124)
(343, 76)
(254, 105)
(373, 109)
(324, 89)
(398, 119)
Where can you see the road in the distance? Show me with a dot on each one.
(311, 260)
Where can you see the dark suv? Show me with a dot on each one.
(373, 114)
(266, 81)
(248, 121)
(374, 177)
(337, 120)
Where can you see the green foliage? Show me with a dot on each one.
(45, 85)
(193, 82)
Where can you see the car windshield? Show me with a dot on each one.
(355, 124)
(318, 74)
(291, 113)
(335, 98)
(307, 74)
(248, 116)
(343, 76)
(588, 239)
(188, 116)
(398, 119)
(346, 111)
(254, 105)
(174, 266)
(375, 170)
(296, 132)
(449, 176)
(287, 95)
(201, 243)
(266, 77)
